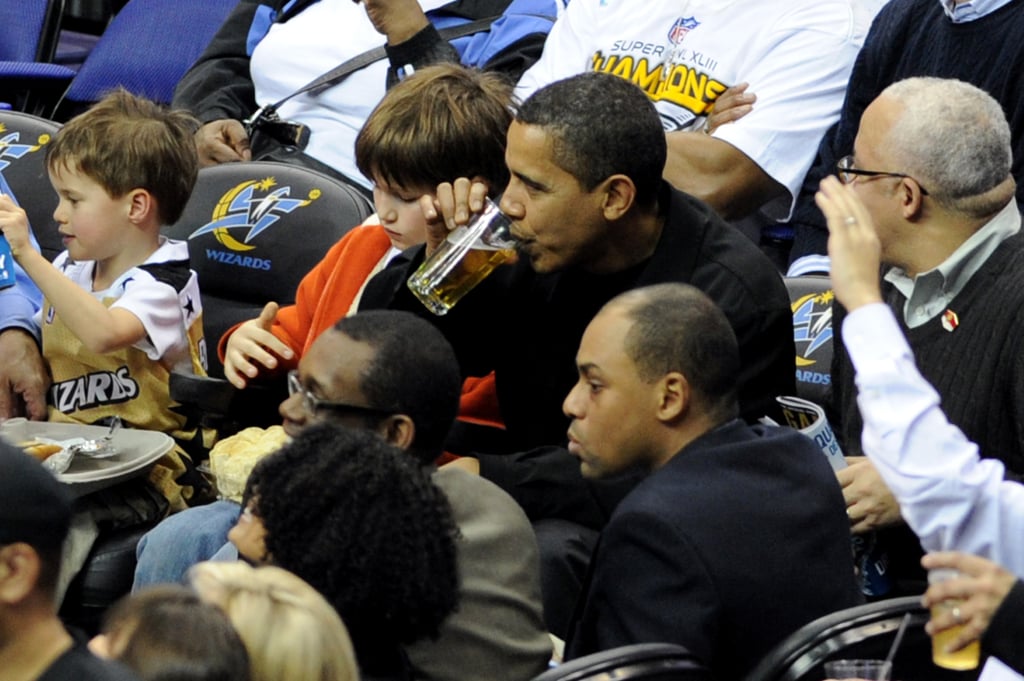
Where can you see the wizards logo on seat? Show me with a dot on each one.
(254, 207)
(10, 150)
(812, 332)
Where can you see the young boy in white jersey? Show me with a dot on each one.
(121, 307)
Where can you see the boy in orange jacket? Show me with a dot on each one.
(442, 122)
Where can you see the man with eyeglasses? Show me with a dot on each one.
(966, 514)
(394, 374)
(931, 170)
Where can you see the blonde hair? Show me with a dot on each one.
(290, 631)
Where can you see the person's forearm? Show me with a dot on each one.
(718, 173)
(90, 320)
(424, 48)
(18, 306)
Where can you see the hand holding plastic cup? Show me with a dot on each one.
(466, 257)
(965, 658)
(858, 670)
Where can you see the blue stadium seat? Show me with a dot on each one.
(28, 38)
(28, 29)
(146, 49)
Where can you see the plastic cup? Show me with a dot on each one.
(468, 255)
(858, 670)
(965, 658)
(6, 264)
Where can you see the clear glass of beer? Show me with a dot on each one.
(468, 255)
(965, 658)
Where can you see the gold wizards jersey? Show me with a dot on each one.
(132, 382)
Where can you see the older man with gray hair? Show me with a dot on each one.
(931, 166)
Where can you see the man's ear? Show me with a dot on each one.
(911, 198)
(141, 205)
(673, 395)
(619, 196)
(19, 572)
(398, 430)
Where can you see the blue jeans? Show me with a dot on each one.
(166, 552)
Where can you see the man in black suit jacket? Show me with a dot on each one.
(739, 535)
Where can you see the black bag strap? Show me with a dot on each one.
(343, 70)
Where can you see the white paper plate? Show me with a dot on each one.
(137, 450)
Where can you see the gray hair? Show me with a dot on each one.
(953, 137)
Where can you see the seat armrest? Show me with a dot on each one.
(209, 395)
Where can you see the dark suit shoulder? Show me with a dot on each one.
(714, 256)
(761, 450)
(78, 664)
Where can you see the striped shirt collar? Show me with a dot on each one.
(973, 9)
(928, 294)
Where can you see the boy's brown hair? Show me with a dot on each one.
(125, 142)
(440, 123)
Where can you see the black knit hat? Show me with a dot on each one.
(34, 507)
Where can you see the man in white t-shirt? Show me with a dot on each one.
(269, 49)
(796, 56)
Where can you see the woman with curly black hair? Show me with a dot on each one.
(361, 522)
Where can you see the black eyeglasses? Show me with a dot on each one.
(313, 404)
(846, 173)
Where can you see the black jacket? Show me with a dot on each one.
(526, 327)
(732, 545)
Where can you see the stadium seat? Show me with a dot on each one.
(811, 300)
(647, 661)
(254, 230)
(28, 29)
(28, 38)
(23, 174)
(146, 49)
(860, 632)
(106, 576)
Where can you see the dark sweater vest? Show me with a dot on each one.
(915, 38)
(1002, 638)
(977, 369)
